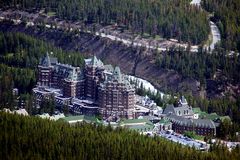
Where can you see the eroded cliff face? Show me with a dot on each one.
(135, 61)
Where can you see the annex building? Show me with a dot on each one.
(184, 119)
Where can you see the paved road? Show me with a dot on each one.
(216, 37)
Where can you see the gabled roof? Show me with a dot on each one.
(94, 62)
(169, 109)
(108, 68)
(183, 101)
(184, 110)
(203, 123)
(73, 75)
(67, 71)
(47, 61)
(180, 120)
(117, 74)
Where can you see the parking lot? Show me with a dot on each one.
(178, 138)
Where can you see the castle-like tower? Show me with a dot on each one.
(93, 71)
(45, 71)
(102, 84)
(73, 85)
(116, 96)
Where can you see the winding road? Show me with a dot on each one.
(215, 33)
(116, 36)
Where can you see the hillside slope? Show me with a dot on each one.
(134, 61)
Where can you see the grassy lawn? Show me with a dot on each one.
(194, 135)
(51, 14)
(199, 137)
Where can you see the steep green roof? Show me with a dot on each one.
(46, 61)
(96, 62)
(117, 74)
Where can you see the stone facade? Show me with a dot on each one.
(165, 125)
(183, 119)
(93, 73)
(45, 70)
(116, 96)
(183, 109)
(102, 84)
(203, 127)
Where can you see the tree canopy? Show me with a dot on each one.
(27, 137)
(167, 18)
(226, 15)
(19, 56)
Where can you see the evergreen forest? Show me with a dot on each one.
(20, 55)
(201, 65)
(27, 137)
(226, 15)
(167, 18)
